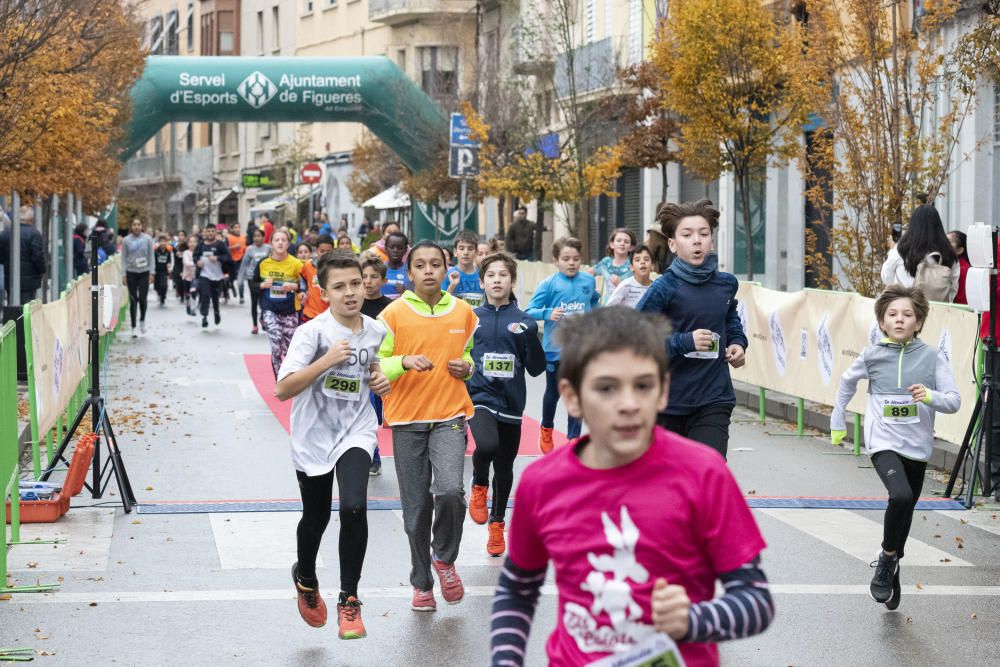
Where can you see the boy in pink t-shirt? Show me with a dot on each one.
(639, 523)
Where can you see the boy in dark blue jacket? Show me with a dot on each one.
(700, 302)
(505, 345)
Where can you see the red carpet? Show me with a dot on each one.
(259, 368)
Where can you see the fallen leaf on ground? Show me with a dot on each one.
(920, 586)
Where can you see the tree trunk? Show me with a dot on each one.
(744, 181)
(663, 189)
(501, 223)
(539, 226)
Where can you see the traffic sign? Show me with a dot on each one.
(460, 132)
(463, 162)
(311, 173)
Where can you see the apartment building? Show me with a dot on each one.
(169, 177)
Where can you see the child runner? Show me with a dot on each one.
(505, 346)
(700, 302)
(162, 257)
(237, 250)
(255, 254)
(137, 259)
(330, 368)
(427, 354)
(313, 304)
(616, 267)
(563, 294)
(178, 265)
(278, 280)
(188, 272)
(397, 278)
(482, 250)
(463, 280)
(373, 274)
(639, 523)
(210, 255)
(631, 290)
(908, 382)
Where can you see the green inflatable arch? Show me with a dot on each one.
(369, 90)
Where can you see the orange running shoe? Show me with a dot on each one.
(312, 608)
(496, 545)
(349, 618)
(545, 440)
(477, 504)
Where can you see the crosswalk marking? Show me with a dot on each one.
(983, 519)
(859, 537)
(256, 540)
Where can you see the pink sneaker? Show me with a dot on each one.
(452, 589)
(423, 600)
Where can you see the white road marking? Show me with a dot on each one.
(404, 592)
(983, 519)
(87, 534)
(246, 387)
(859, 537)
(256, 540)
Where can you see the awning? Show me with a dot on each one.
(221, 195)
(392, 198)
(304, 191)
(267, 206)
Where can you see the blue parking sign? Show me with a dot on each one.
(460, 132)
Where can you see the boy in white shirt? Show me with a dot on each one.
(631, 290)
(329, 370)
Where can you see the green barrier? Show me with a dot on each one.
(8, 440)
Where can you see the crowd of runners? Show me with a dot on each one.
(640, 517)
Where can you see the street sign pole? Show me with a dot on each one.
(463, 185)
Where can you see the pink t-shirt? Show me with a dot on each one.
(676, 512)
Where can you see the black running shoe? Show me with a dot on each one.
(886, 567)
(375, 468)
(218, 318)
(204, 322)
(893, 602)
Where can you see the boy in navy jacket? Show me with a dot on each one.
(700, 302)
(505, 346)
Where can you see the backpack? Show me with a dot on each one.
(933, 278)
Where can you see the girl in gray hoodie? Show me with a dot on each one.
(908, 382)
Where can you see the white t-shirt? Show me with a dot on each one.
(628, 293)
(334, 414)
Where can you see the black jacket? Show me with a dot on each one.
(33, 264)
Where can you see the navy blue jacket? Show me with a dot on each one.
(505, 330)
(695, 383)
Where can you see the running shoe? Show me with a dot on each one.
(218, 318)
(134, 334)
(496, 545)
(452, 589)
(886, 568)
(375, 468)
(241, 301)
(477, 504)
(142, 327)
(349, 618)
(897, 592)
(204, 322)
(312, 608)
(423, 600)
(254, 331)
(545, 440)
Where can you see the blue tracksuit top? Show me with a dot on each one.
(505, 331)
(695, 383)
(576, 295)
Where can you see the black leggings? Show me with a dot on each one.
(904, 479)
(209, 290)
(497, 443)
(254, 303)
(708, 425)
(317, 495)
(160, 283)
(138, 292)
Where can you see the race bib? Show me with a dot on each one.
(900, 409)
(141, 262)
(343, 383)
(710, 353)
(498, 365)
(162, 259)
(474, 300)
(658, 650)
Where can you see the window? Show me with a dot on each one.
(439, 71)
(260, 32)
(223, 140)
(189, 138)
(275, 29)
(190, 27)
(227, 33)
(170, 34)
(328, 4)
(156, 34)
(307, 7)
(590, 18)
(208, 34)
(401, 59)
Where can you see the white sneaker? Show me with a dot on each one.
(134, 334)
(142, 328)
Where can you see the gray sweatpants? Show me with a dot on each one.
(430, 466)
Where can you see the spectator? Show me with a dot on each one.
(81, 264)
(371, 236)
(958, 244)
(267, 227)
(521, 235)
(924, 257)
(33, 264)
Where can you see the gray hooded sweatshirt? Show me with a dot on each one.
(892, 420)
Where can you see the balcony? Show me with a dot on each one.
(400, 12)
(593, 67)
(530, 57)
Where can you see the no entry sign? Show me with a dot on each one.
(311, 173)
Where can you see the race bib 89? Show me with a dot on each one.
(900, 409)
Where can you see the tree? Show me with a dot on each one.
(375, 168)
(651, 143)
(738, 79)
(887, 148)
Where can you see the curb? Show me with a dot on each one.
(817, 416)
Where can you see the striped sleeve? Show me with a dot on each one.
(746, 608)
(513, 610)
